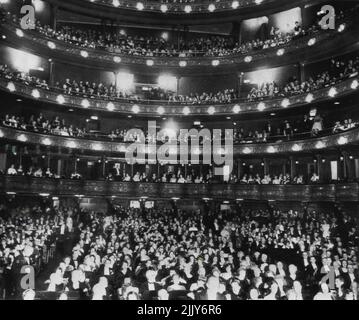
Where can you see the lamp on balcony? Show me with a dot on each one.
(164, 8)
(235, 4)
(135, 108)
(236, 108)
(211, 110)
(187, 9)
(186, 111)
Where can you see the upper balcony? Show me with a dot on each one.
(170, 12)
(312, 47)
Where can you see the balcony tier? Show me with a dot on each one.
(326, 44)
(305, 146)
(151, 13)
(151, 107)
(131, 190)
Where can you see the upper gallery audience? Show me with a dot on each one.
(117, 41)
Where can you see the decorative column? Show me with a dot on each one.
(301, 71)
(239, 167)
(53, 16)
(345, 164)
(20, 156)
(236, 32)
(48, 159)
(103, 166)
(319, 167)
(302, 15)
(240, 77)
(351, 168)
(59, 167)
(51, 73)
(266, 166)
(292, 167)
(178, 78)
(75, 165)
(284, 167)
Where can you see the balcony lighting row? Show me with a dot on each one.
(164, 8)
(85, 103)
(246, 150)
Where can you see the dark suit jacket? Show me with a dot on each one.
(148, 294)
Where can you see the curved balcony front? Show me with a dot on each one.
(308, 49)
(154, 108)
(175, 13)
(334, 141)
(132, 190)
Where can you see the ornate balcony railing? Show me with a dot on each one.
(179, 7)
(155, 107)
(132, 190)
(309, 145)
(40, 43)
(175, 12)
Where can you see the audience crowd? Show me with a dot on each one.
(27, 238)
(171, 254)
(118, 172)
(337, 70)
(307, 127)
(116, 40)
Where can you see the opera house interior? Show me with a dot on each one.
(179, 150)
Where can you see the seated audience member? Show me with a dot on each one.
(12, 171)
(76, 176)
(314, 178)
(38, 173)
(20, 171)
(49, 174)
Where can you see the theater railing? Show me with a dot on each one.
(340, 140)
(178, 7)
(79, 188)
(61, 50)
(152, 107)
(175, 12)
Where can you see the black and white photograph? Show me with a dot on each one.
(204, 152)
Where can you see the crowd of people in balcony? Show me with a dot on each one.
(309, 126)
(37, 172)
(192, 177)
(338, 70)
(116, 40)
(169, 254)
(181, 176)
(41, 124)
(24, 77)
